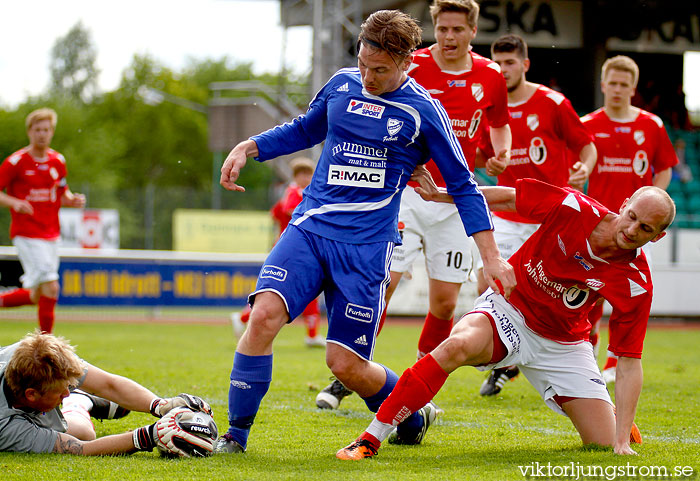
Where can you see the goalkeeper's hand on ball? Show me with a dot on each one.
(162, 406)
(181, 432)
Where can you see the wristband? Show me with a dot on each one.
(143, 438)
(154, 405)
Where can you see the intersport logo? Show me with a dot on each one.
(365, 109)
(356, 176)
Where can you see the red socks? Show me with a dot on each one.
(435, 331)
(46, 313)
(416, 386)
(15, 298)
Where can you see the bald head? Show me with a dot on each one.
(654, 201)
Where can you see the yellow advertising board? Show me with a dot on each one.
(245, 232)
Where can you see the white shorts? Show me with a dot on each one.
(39, 259)
(437, 229)
(553, 368)
(509, 236)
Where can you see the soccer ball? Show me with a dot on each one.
(195, 433)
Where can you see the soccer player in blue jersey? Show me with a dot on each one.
(378, 125)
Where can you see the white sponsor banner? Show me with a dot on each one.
(89, 228)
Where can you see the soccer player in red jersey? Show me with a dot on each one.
(545, 129)
(581, 252)
(34, 179)
(281, 212)
(633, 151)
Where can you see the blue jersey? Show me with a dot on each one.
(372, 145)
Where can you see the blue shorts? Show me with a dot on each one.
(353, 277)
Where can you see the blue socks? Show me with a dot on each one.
(250, 380)
(373, 402)
(410, 425)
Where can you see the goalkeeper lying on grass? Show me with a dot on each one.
(42, 371)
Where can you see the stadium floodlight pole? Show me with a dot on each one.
(151, 96)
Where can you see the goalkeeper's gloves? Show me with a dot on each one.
(163, 435)
(160, 407)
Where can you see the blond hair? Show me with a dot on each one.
(622, 63)
(42, 361)
(41, 114)
(468, 7)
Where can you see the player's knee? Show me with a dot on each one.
(345, 367)
(444, 308)
(49, 289)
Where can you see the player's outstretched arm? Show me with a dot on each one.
(501, 199)
(107, 445)
(121, 390)
(628, 386)
(497, 272)
(235, 161)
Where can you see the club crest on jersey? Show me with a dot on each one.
(575, 297)
(53, 172)
(533, 121)
(537, 151)
(478, 92)
(365, 109)
(640, 164)
(393, 126)
(586, 265)
(638, 136)
(356, 176)
(457, 83)
(359, 313)
(595, 284)
(273, 272)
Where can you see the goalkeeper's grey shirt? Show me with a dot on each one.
(26, 430)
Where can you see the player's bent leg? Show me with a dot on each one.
(76, 411)
(593, 419)
(469, 344)
(252, 370)
(359, 375)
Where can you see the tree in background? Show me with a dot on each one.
(144, 160)
(72, 66)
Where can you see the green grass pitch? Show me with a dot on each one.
(477, 438)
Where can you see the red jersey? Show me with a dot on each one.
(283, 208)
(469, 97)
(559, 278)
(629, 153)
(41, 183)
(544, 128)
